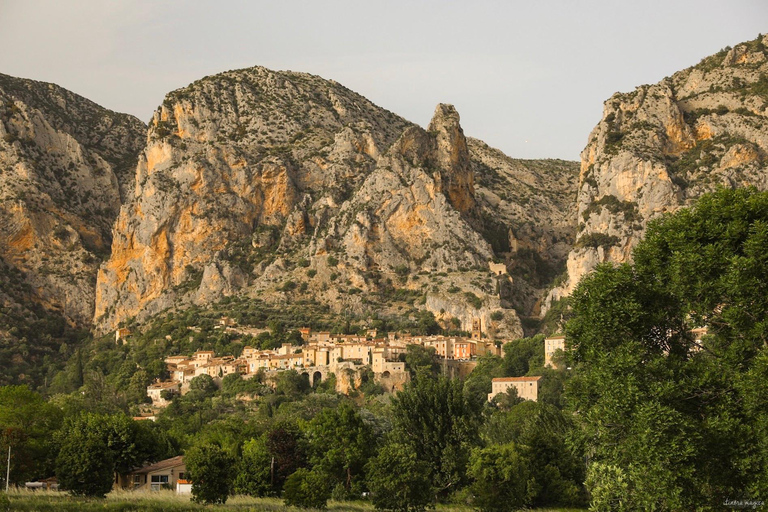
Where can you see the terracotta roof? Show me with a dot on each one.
(163, 464)
(516, 379)
(163, 385)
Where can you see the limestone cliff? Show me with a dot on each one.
(240, 171)
(65, 166)
(661, 146)
(286, 187)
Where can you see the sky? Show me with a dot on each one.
(527, 77)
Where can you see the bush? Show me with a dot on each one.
(210, 469)
(332, 261)
(85, 466)
(500, 476)
(398, 480)
(306, 489)
(497, 316)
(473, 299)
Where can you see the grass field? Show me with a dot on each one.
(168, 501)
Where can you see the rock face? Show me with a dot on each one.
(661, 146)
(66, 165)
(283, 185)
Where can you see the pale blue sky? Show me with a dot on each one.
(526, 77)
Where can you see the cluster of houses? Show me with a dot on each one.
(323, 354)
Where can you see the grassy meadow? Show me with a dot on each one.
(169, 501)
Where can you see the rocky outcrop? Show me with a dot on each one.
(66, 164)
(283, 185)
(239, 169)
(661, 146)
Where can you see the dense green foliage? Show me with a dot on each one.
(307, 489)
(673, 423)
(34, 343)
(210, 469)
(398, 480)
(85, 466)
(93, 447)
(27, 424)
(434, 418)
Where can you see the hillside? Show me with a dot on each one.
(284, 186)
(662, 146)
(66, 165)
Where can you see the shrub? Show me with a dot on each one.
(473, 299)
(210, 469)
(306, 489)
(398, 480)
(332, 261)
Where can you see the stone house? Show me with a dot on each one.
(155, 391)
(527, 387)
(552, 345)
(154, 477)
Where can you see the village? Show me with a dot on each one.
(345, 357)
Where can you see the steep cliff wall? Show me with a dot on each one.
(65, 166)
(286, 186)
(661, 146)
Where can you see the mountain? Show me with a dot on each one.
(284, 186)
(66, 164)
(662, 146)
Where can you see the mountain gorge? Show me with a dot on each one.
(66, 165)
(291, 190)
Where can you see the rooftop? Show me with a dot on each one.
(163, 464)
(516, 379)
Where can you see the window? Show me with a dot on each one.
(136, 480)
(181, 476)
(158, 481)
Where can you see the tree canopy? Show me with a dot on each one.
(672, 420)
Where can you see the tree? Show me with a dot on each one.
(267, 461)
(435, 420)
(480, 382)
(500, 476)
(85, 466)
(678, 418)
(255, 470)
(306, 489)
(130, 443)
(203, 383)
(341, 444)
(210, 469)
(421, 360)
(27, 424)
(398, 480)
(522, 354)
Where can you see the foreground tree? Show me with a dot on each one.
(27, 423)
(672, 422)
(435, 420)
(500, 476)
(210, 469)
(269, 459)
(398, 480)
(307, 489)
(341, 445)
(85, 466)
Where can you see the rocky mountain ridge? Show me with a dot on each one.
(284, 185)
(661, 146)
(67, 164)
